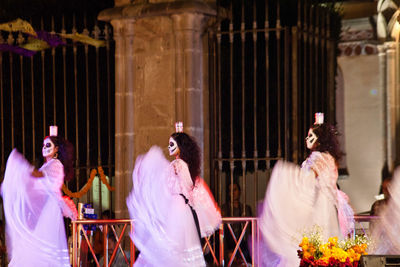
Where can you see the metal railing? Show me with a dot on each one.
(79, 234)
(215, 245)
(255, 239)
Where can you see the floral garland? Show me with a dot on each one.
(346, 253)
(89, 183)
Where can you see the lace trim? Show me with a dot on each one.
(194, 256)
(179, 180)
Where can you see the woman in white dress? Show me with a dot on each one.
(34, 207)
(171, 205)
(297, 199)
(385, 233)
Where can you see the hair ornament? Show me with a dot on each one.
(319, 118)
(179, 127)
(53, 130)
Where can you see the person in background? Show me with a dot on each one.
(239, 210)
(379, 204)
(119, 259)
(98, 237)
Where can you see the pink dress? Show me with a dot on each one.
(296, 200)
(165, 230)
(33, 210)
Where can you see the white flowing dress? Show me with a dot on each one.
(165, 230)
(295, 201)
(33, 209)
(385, 233)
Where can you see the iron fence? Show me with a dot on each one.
(272, 67)
(71, 86)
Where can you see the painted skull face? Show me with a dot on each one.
(311, 139)
(173, 147)
(49, 148)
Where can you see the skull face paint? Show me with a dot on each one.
(173, 147)
(48, 149)
(311, 139)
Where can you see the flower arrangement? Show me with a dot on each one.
(347, 253)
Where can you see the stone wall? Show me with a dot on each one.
(159, 80)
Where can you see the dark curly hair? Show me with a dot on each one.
(65, 155)
(327, 140)
(189, 153)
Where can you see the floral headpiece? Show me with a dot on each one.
(179, 127)
(319, 118)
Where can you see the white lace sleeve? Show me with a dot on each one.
(180, 181)
(325, 167)
(206, 208)
(54, 174)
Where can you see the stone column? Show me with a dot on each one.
(159, 79)
(123, 36)
(382, 85)
(188, 28)
(391, 103)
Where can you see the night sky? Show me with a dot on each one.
(11, 9)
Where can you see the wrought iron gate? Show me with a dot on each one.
(272, 65)
(71, 86)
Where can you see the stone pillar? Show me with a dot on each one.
(123, 36)
(391, 103)
(187, 29)
(159, 79)
(382, 85)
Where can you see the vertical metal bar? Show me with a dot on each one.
(86, 32)
(105, 248)
(21, 62)
(20, 40)
(278, 67)
(286, 95)
(255, 153)
(107, 38)
(304, 73)
(42, 54)
(64, 52)
(96, 36)
(213, 101)
(76, 107)
(243, 39)
(253, 243)
(322, 39)
(221, 244)
(258, 241)
(231, 154)
(2, 113)
(317, 96)
(311, 65)
(53, 57)
(12, 99)
(213, 131)
(74, 245)
(267, 127)
(33, 111)
(295, 96)
(132, 246)
(219, 114)
(330, 69)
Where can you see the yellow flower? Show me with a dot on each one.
(333, 240)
